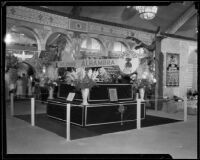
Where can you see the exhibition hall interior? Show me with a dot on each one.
(101, 79)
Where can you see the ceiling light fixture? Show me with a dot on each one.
(8, 39)
(147, 12)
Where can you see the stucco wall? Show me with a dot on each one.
(186, 50)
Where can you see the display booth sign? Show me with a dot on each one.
(127, 65)
(112, 70)
(113, 94)
(96, 62)
(61, 64)
(88, 63)
(84, 63)
(70, 96)
(172, 70)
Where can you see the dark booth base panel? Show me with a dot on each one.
(97, 114)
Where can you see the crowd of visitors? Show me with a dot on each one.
(25, 86)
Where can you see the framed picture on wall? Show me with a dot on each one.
(172, 69)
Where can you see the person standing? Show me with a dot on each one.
(7, 85)
(43, 89)
(29, 85)
(36, 88)
(24, 84)
(19, 85)
(33, 86)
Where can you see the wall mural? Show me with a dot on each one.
(172, 70)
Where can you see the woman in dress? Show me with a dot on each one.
(24, 85)
(29, 86)
(33, 86)
(19, 84)
(7, 85)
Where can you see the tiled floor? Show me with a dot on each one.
(177, 139)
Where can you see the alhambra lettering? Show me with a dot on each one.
(88, 63)
(97, 62)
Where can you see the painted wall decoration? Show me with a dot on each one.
(173, 69)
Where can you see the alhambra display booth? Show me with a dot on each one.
(112, 101)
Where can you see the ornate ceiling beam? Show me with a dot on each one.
(181, 20)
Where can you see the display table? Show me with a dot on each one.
(100, 109)
(95, 114)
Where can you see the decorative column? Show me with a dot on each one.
(159, 62)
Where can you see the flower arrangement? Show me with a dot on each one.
(48, 77)
(52, 76)
(145, 81)
(192, 102)
(51, 84)
(81, 79)
(192, 94)
(141, 83)
(104, 76)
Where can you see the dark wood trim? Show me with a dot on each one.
(179, 37)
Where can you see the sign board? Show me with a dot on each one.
(112, 70)
(172, 69)
(95, 63)
(113, 94)
(70, 96)
(65, 64)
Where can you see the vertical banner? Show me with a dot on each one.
(172, 70)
